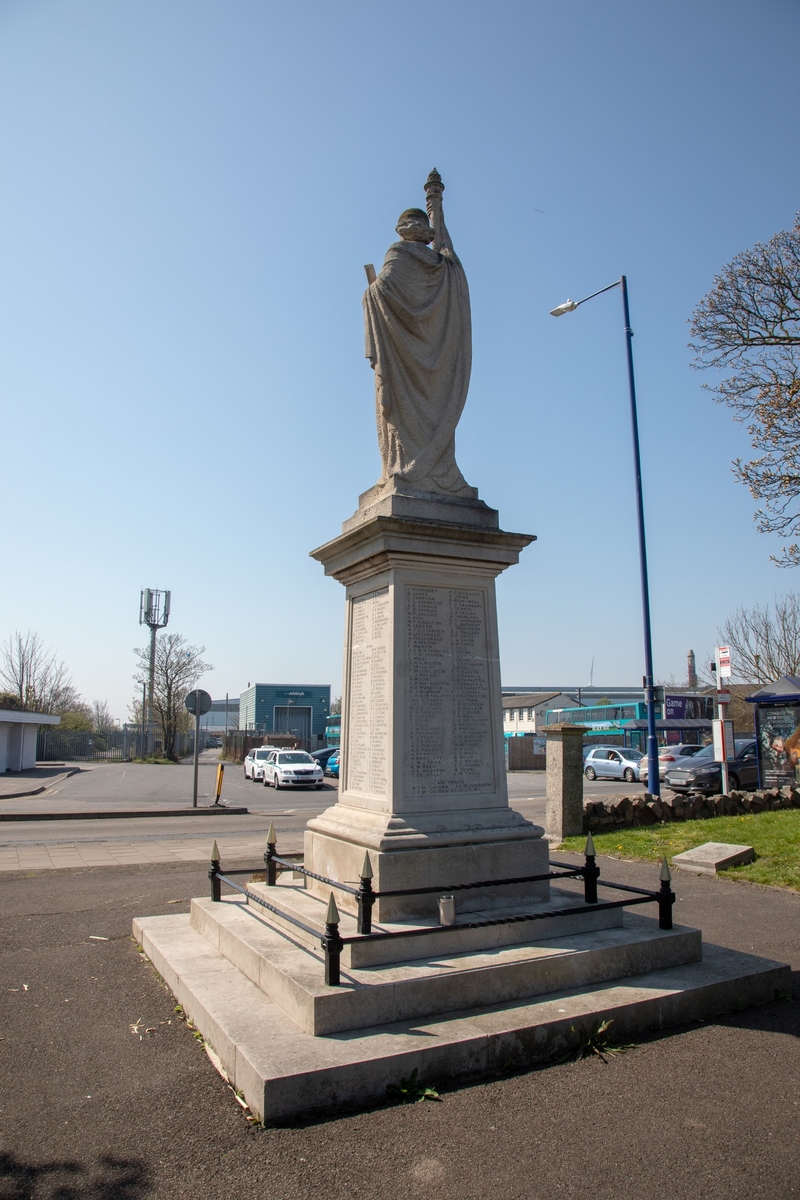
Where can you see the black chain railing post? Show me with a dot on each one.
(366, 898)
(590, 872)
(270, 866)
(332, 944)
(213, 873)
(666, 897)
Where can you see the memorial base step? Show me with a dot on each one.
(292, 974)
(285, 1073)
(424, 937)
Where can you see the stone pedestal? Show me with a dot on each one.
(422, 781)
(564, 811)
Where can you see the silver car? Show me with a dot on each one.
(615, 762)
(672, 757)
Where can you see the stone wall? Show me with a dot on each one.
(644, 809)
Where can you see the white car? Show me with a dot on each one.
(292, 768)
(254, 763)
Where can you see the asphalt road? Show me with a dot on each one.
(121, 787)
(106, 1095)
(117, 784)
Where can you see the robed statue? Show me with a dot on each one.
(419, 343)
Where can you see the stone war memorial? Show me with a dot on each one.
(426, 927)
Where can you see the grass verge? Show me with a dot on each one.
(775, 837)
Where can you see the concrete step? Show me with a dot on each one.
(284, 1072)
(295, 902)
(292, 974)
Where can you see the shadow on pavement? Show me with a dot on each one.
(109, 1179)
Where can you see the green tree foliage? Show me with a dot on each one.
(749, 325)
(77, 719)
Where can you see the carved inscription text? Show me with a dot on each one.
(367, 756)
(448, 703)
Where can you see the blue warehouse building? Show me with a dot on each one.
(299, 710)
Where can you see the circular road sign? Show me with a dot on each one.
(198, 702)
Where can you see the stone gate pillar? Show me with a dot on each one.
(564, 813)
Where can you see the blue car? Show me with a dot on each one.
(332, 765)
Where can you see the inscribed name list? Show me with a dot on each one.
(367, 757)
(448, 702)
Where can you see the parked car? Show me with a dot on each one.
(703, 773)
(332, 765)
(255, 760)
(213, 743)
(615, 762)
(672, 757)
(292, 768)
(322, 756)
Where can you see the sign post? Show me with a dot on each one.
(197, 703)
(726, 748)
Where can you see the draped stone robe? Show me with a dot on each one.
(419, 343)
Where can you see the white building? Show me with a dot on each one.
(18, 738)
(524, 711)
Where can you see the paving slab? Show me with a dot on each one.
(52, 856)
(712, 857)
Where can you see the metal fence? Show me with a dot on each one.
(332, 943)
(109, 745)
(238, 742)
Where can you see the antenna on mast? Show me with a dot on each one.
(154, 609)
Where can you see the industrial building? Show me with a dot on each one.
(299, 710)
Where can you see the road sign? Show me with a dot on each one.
(198, 702)
(724, 745)
(723, 697)
(723, 657)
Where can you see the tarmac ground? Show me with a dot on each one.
(106, 1094)
(158, 826)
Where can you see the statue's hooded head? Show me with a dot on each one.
(413, 226)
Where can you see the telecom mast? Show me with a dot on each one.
(153, 612)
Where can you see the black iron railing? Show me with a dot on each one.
(332, 942)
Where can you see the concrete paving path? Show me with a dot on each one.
(14, 785)
(107, 1094)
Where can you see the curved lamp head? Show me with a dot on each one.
(567, 306)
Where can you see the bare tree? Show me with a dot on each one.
(101, 715)
(750, 323)
(34, 674)
(765, 642)
(178, 668)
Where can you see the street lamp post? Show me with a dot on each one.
(653, 783)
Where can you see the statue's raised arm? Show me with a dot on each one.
(419, 343)
(433, 202)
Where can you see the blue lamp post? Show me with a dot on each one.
(652, 742)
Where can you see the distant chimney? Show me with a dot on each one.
(691, 670)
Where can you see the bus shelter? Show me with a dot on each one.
(777, 721)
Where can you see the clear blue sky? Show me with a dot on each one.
(191, 189)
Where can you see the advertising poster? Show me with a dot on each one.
(778, 732)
